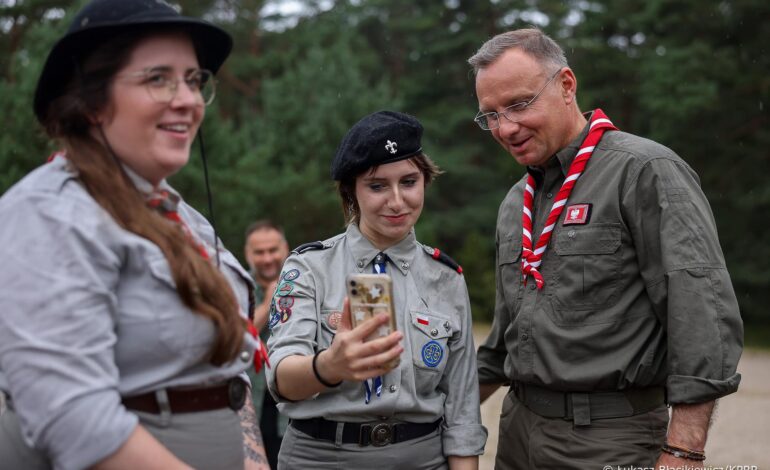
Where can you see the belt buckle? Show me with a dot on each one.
(381, 434)
(236, 393)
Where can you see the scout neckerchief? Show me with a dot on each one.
(379, 267)
(530, 260)
(166, 203)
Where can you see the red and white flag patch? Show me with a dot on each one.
(423, 321)
(577, 214)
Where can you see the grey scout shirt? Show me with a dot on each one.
(89, 313)
(637, 295)
(432, 305)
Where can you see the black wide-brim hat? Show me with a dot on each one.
(102, 19)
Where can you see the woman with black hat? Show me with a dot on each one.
(349, 407)
(123, 325)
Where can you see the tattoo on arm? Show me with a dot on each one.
(253, 447)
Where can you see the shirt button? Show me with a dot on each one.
(549, 195)
(404, 265)
(360, 263)
(524, 337)
(393, 389)
(532, 287)
(434, 332)
(245, 356)
(571, 234)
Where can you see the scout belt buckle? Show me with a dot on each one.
(236, 393)
(380, 434)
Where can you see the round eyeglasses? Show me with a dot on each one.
(163, 84)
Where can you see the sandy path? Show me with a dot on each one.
(742, 422)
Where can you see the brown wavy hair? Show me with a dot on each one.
(69, 119)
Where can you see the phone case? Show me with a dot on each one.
(370, 295)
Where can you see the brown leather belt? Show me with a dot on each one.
(582, 407)
(231, 394)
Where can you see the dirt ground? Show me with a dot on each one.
(742, 421)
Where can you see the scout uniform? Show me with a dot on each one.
(428, 406)
(637, 306)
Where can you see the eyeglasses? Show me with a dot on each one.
(514, 113)
(162, 84)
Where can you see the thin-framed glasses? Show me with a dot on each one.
(514, 113)
(162, 83)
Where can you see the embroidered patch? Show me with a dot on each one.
(432, 353)
(274, 316)
(284, 289)
(285, 302)
(333, 320)
(291, 275)
(577, 214)
(285, 315)
(423, 321)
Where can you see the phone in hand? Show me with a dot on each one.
(370, 295)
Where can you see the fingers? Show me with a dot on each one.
(362, 331)
(378, 364)
(345, 322)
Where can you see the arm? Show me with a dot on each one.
(350, 357)
(141, 450)
(253, 448)
(261, 310)
(463, 463)
(687, 429)
(486, 391)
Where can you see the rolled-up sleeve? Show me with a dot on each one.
(463, 434)
(687, 280)
(57, 327)
(293, 318)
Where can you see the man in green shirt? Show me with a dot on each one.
(265, 251)
(612, 294)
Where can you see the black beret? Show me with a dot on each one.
(379, 138)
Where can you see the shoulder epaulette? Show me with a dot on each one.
(442, 257)
(308, 247)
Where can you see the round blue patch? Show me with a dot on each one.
(291, 275)
(432, 353)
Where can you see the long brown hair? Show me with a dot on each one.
(346, 188)
(68, 119)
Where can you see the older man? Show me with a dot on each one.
(612, 294)
(265, 251)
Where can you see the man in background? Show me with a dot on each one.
(265, 251)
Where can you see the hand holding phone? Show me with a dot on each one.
(371, 295)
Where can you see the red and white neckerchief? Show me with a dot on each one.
(531, 259)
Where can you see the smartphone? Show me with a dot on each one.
(370, 295)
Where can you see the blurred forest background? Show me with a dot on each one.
(691, 74)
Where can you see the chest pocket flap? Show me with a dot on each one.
(599, 239)
(510, 250)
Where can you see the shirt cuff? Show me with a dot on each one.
(464, 440)
(682, 389)
(275, 359)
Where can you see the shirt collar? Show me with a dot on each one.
(400, 254)
(146, 188)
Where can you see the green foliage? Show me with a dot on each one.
(689, 74)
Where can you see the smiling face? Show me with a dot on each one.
(153, 138)
(551, 121)
(390, 199)
(266, 250)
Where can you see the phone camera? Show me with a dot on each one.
(353, 283)
(353, 292)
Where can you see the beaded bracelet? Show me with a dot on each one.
(683, 452)
(318, 376)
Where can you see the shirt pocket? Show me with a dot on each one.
(330, 321)
(429, 338)
(588, 270)
(509, 266)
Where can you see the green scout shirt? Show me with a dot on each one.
(258, 383)
(432, 311)
(636, 296)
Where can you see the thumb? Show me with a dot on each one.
(345, 322)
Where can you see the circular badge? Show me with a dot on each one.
(432, 353)
(284, 289)
(285, 302)
(333, 320)
(291, 275)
